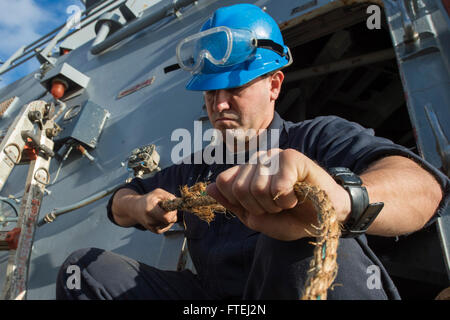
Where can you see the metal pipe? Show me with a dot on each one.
(43, 38)
(100, 6)
(15, 65)
(8, 62)
(141, 23)
(50, 217)
(103, 6)
(102, 33)
(348, 63)
(35, 48)
(48, 49)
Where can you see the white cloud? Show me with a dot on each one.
(19, 24)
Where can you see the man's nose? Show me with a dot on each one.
(221, 100)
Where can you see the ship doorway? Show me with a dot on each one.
(343, 68)
(370, 94)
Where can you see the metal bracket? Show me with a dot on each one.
(42, 176)
(75, 79)
(107, 24)
(144, 160)
(28, 135)
(410, 34)
(442, 144)
(13, 153)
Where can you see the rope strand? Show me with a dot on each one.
(323, 267)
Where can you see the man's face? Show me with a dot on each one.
(248, 107)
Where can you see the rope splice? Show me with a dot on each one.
(323, 266)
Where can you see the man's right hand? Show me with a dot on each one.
(130, 208)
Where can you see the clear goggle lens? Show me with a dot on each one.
(222, 46)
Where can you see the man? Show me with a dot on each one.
(264, 253)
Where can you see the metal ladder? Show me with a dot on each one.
(28, 141)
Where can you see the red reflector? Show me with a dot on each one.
(58, 89)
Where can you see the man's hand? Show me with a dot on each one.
(268, 204)
(130, 208)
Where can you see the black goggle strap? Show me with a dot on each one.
(172, 67)
(261, 43)
(271, 45)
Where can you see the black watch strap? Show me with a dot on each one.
(362, 212)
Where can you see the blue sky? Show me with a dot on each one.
(24, 21)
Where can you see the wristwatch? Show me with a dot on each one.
(362, 212)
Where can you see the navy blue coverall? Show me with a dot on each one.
(234, 262)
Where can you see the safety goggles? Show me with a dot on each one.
(223, 47)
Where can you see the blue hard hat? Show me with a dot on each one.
(211, 73)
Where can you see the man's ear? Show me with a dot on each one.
(275, 84)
